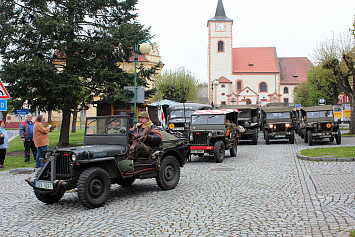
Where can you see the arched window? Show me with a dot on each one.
(220, 46)
(223, 86)
(248, 102)
(285, 90)
(263, 87)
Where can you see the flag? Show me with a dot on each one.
(161, 116)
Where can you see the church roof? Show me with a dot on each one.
(220, 13)
(224, 80)
(255, 60)
(294, 69)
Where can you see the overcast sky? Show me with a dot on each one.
(293, 27)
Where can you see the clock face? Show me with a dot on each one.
(220, 26)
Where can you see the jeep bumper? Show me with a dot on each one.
(200, 149)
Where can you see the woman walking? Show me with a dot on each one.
(4, 143)
(40, 137)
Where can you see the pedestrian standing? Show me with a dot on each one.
(26, 134)
(4, 143)
(40, 134)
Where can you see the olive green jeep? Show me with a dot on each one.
(318, 123)
(278, 124)
(213, 132)
(102, 161)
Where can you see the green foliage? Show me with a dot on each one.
(179, 86)
(337, 152)
(85, 39)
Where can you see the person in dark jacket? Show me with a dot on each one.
(145, 137)
(4, 145)
(26, 134)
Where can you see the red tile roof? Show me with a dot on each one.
(141, 58)
(294, 69)
(254, 60)
(224, 80)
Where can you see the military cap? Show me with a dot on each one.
(143, 114)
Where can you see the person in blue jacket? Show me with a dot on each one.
(3, 146)
(26, 134)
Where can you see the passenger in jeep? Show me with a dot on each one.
(145, 137)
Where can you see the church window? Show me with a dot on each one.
(239, 86)
(223, 86)
(286, 90)
(262, 87)
(223, 103)
(220, 46)
(285, 100)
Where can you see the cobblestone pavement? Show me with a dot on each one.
(264, 191)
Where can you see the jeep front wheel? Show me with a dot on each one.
(233, 149)
(219, 152)
(338, 137)
(309, 135)
(169, 173)
(292, 137)
(267, 139)
(94, 187)
(254, 140)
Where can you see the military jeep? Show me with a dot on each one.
(213, 132)
(102, 161)
(278, 124)
(318, 123)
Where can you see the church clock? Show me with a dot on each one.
(220, 26)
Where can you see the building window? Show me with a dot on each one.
(223, 86)
(263, 87)
(285, 90)
(239, 85)
(220, 46)
(223, 103)
(223, 94)
(286, 100)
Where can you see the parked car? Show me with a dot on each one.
(101, 161)
(213, 132)
(318, 123)
(278, 124)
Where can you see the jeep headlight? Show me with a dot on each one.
(191, 137)
(210, 134)
(246, 124)
(287, 125)
(271, 125)
(73, 157)
(47, 155)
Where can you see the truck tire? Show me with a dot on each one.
(338, 137)
(48, 197)
(254, 140)
(305, 137)
(169, 173)
(94, 187)
(219, 151)
(233, 149)
(267, 139)
(309, 136)
(292, 137)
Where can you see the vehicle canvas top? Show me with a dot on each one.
(187, 106)
(277, 114)
(215, 111)
(323, 113)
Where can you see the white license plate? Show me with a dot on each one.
(44, 184)
(198, 151)
(178, 128)
(279, 136)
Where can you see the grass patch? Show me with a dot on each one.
(337, 152)
(15, 153)
(348, 134)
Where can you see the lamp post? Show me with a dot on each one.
(144, 47)
(215, 82)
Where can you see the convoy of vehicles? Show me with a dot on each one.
(213, 132)
(179, 118)
(278, 124)
(318, 123)
(102, 161)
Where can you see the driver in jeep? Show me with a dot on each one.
(145, 137)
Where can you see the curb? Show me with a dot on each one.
(345, 159)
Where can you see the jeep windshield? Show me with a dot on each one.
(279, 115)
(181, 114)
(208, 119)
(320, 114)
(106, 126)
(244, 114)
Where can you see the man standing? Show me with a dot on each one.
(26, 134)
(145, 137)
(40, 138)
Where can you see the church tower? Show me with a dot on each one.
(219, 48)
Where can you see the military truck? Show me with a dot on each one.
(278, 124)
(180, 116)
(213, 132)
(248, 118)
(102, 161)
(318, 123)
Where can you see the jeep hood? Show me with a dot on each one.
(97, 151)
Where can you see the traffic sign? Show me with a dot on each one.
(3, 105)
(3, 92)
(22, 112)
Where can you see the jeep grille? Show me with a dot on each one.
(200, 138)
(323, 127)
(62, 164)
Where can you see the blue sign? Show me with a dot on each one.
(297, 105)
(3, 105)
(22, 111)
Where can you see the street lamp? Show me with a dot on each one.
(144, 47)
(215, 82)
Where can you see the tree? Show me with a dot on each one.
(179, 85)
(89, 37)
